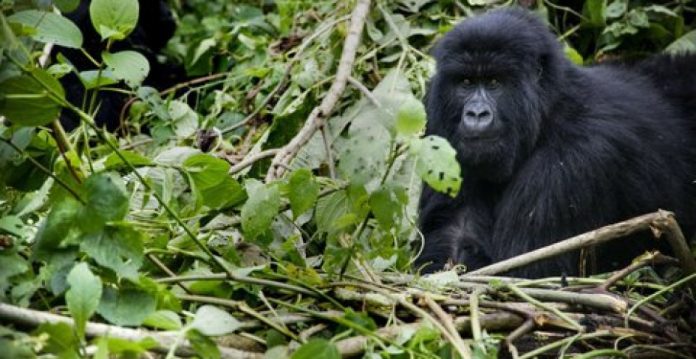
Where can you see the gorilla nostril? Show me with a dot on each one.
(484, 115)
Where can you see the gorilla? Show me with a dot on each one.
(550, 150)
(156, 25)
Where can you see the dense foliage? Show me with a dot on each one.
(182, 205)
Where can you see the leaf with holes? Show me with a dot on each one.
(437, 164)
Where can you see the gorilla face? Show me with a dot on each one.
(490, 93)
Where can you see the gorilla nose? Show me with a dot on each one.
(477, 117)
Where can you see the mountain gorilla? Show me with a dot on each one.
(550, 150)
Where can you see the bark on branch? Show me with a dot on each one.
(662, 222)
(319, 114)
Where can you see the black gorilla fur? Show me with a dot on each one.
(571, 149)
(155, 27)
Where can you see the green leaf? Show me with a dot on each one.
(573, 55)
(92, 79)
(56, 228)
(594, 11)
(128, 348)
(204, 347)
(212, 321)
(303, 191)
(317, 348)
(107, 201)
(66, 6)
(114, 19)
(437, 164)
(49, 28)
(163, 319)
(616, 9)
(60, 340)
(83, 296)
(27, 100)
(206, 170)
(127, 307)
(638, 18)
(260, 209)
(136, 159)
(119, 248)
(11, 264)
(387, 204)
(224, 194)
(127, 65)
(410, 119)
(683, 45)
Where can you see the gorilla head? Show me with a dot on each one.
(495, 81)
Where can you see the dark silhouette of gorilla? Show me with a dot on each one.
(155, 27)
(549, 150)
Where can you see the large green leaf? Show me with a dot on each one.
(683, 45)
(30, 99)
(127, 65)
(49, 27)
(107, 200)
(126, 306)
(437, 164)
(317, 348)
(260, 209)
(117, 247)
(83, 296)
(114, 19)
(303, 191)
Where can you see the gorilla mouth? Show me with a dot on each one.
(481, 137)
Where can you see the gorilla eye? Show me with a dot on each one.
(493, 82)
(466, 82)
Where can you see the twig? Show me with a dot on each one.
(320, 113)
(677, 242)
(153, 258)
(648, 259)
(286, 74)
(364, 90)
(250, 160)
(657, 294)
(45, 170)
(33, 318)
(523, 329)
(240, 279)
(475, 324)
(573, 324)
(594, 237)
(448, 323)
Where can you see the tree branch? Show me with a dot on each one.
(320, 113)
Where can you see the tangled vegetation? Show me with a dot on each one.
(265, 205)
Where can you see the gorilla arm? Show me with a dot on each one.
(454, 229)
